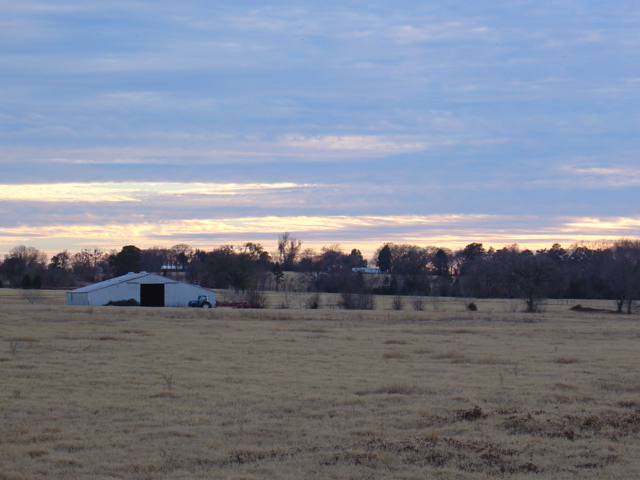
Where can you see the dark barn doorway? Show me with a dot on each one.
(152, 295)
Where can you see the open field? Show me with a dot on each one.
(152, 393)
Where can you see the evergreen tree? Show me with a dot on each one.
(384, 259)
(129, 259)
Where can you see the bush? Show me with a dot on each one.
(357, 301)
(397, 303)
(26, 282)
(418, 303)
(472, 307)
(257, 298)
(313, 302)
(37, 282)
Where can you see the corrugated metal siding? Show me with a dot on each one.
(121, 291)
(179, 294)
(77, 298)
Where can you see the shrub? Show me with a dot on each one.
(347, 301)
(418, 303)
(470, 415)
(472, 307)
(357, 301)
(37, 282)
(313, 302)
(257, 298)
(26, 282)
(397, 303)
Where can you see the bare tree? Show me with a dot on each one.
(154, 258)
(29, 259)
(534, 277)
(23, 260)
(622, 273)
(180, 255)
(288, 250)
(61, 260)
(59, 270)
(88, 263)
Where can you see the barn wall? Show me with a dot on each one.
(121, 291)
(179, 294)
(77, 298)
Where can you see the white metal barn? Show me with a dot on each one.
(148, 289)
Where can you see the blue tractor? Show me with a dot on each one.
(201, 302)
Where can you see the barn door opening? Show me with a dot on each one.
(152, 295)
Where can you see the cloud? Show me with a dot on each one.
(435, 32)
(358, 144)
(605, 177)
(179, 148)
(614, 226)
(366, 232)
(128, 192)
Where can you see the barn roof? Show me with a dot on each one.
(129, 277)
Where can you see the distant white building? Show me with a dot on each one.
(366, 270)
(148, 289)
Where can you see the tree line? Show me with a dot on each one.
(598, 270)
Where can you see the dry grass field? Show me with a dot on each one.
(152, 393)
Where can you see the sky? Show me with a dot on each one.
(161, 122)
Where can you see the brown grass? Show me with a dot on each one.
(135, 393)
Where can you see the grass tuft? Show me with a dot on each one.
(566, 360)
(396, 342)
(394, 389)
(395, 356)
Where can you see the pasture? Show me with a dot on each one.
(163, 393)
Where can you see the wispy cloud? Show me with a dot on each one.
(606, 177)
(127, 192)
(615, 226)
(364, 232)
(362, 144)
(432, 32)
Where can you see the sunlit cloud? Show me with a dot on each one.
(621, 225)
(127, 192)
(364, 232)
